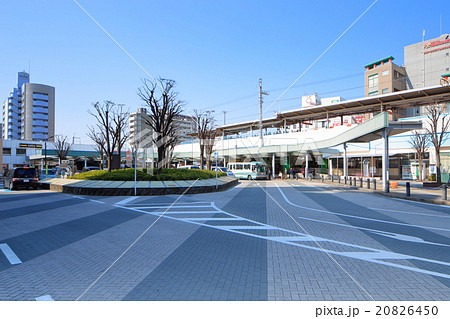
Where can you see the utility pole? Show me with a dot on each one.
(261, 93)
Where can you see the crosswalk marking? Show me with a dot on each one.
(298, 239)
(10, 255)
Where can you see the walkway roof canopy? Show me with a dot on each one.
(397, 100)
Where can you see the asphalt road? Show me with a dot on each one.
(258, 241)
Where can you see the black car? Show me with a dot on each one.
(21, 177)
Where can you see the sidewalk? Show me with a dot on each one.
(418, 192)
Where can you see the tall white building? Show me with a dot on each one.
(185, 126)
(29, 111)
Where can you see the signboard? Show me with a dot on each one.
(23, 145)
(309, 100)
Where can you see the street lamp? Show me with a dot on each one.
(45, 155)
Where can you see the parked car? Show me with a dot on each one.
(223, 169)
(26, 177)
(90, 168)
(49, 173)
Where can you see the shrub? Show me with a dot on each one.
(141, 175)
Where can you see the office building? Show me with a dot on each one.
(29, 111)
(425, 63)
(139, 129)
(383, 76)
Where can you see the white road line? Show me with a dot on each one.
(96, 201)
(164, 207)
(44, 298)
(127, 200)
(10, 255)
(378, 232)
(181, 212)
(411, 213)
(423, 203)
(357, 217)
(79, 197)
(368, 254)
(211, 218)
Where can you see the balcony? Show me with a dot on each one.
(40, 110)
(40, 103)
(40, 96)
(39, 116)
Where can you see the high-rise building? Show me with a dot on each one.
(425, 63)
(140, 130)
(29, 111)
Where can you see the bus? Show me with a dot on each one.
(251, 170)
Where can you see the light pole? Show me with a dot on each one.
(45, 155)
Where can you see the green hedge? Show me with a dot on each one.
(142, 175)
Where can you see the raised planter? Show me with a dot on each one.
(117, 188)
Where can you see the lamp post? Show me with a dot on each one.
(45, 155)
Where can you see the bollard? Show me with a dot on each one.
(387, 187)
(332, 178)
(354, 181)
(368, 183)
(360, 182)
(322, 178)
(444, 191)
(345, 179)
(374, 184)
(339, 179)
(408, 189)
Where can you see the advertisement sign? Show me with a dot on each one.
(406, 172)
(309, 100)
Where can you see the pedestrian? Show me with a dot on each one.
(280, 175)
(291, 173)
(269, 173)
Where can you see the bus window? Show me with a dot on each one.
(247, 167)
(238, 166)
(261, 168)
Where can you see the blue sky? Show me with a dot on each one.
(215, 50)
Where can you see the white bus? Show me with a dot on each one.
(252, 170)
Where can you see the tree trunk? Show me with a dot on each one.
(202, 153)
(109, 161)
(420, 169)
(161, 153)
(438, 166)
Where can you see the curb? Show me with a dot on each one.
(390, 194)
(91, 191)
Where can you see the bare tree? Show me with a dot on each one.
(206, 135)
(161, 100)
(120, 134)
(437, 128)
(419, 142)
(62, 147)
(108, 132)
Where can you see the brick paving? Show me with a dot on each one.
(247, 243)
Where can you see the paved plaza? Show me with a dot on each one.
(265, 240)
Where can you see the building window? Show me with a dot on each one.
(21, 151)
(384, 91)
(6, 151)
(373, 80)
(384, 73)
(373, 93)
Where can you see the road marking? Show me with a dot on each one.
(96, 201)
(10, 255)
(44, 298)
(357, 217)
(423, 203)
(411, 213)
(378, 232)
(367, 254)
(127, 200)
(79, 197)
